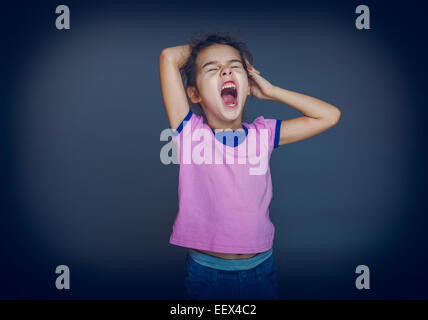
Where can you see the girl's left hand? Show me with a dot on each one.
(259, 86)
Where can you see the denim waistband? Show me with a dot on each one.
(229, 264)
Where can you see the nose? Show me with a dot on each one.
(226, 71)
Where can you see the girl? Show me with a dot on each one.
(223, 217)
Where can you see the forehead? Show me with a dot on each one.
(217, 52)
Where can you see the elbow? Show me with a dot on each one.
(334, 118)
(165, 54)
(337, 116)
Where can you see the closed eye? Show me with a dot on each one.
(217, 68)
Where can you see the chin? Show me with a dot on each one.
(231, 114)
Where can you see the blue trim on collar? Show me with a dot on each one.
(177, 131)
(277, 133)
(222, 137)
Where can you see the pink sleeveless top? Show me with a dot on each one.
(224, 189)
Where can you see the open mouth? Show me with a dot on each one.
(229, 94)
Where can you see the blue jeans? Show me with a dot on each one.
(205, 283)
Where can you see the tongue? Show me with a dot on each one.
(228, 99)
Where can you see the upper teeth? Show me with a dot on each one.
(228, 85)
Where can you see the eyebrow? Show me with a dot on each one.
(214, 62)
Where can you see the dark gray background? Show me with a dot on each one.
(83, 184)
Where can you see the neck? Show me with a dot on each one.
(225, 125)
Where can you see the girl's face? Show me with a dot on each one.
(222, 84)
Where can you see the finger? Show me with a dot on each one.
(249, 64)
(253, 69)
(253, 83)
(254, 74)
(255, 79)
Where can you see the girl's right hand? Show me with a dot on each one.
(178, 54)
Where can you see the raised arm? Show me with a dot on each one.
(173, 92)
(318, 115)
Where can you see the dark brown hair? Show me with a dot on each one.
(198, 43)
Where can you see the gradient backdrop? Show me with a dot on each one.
(81, 116)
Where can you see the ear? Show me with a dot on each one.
(193, 94)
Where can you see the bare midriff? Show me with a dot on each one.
(230, 256)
